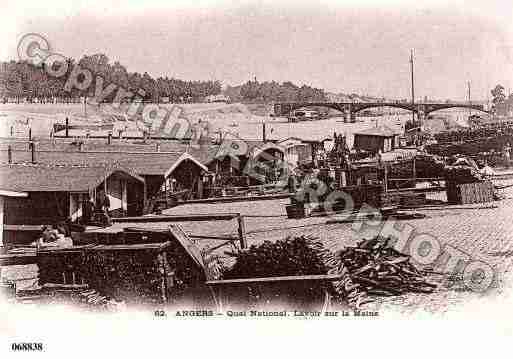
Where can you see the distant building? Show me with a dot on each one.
(245, 161)
(217, 98)
(296, 151)
(306, 114)
(376, 139)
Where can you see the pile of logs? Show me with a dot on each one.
(375, 268)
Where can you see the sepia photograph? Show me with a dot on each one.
(202, 175)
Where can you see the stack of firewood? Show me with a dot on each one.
(375, 268)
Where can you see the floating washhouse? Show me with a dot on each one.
(32, 195)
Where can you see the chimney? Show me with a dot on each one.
(263, 132)
(32, 146)
(67, 127)
(9, 154)
(109, 138)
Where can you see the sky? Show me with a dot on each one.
(340, 46)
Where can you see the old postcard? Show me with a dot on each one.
(311, 178)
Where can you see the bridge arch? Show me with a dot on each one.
(357, 107)
(432, 108)
(422, 109)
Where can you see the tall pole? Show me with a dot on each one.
(412, 87)
(469, 103)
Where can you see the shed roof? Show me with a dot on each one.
(381, 131)
(142, 163)
(94, 144)
(45, 178)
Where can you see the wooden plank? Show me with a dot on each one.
(480, 198)
(189, 246)
(61, 286)
(66, 250)
(230, 239)
(18, 259)
(238, 198)
(473, 192)
(140, 246)
(296, 278)
(23, 227)
(178, 218)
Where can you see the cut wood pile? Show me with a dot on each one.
(140, 273)
(151, 272)
(464, 185)
(135, 276)
(377, 269)
(372, 268)
(298, 256)
(461, 174)
(409, 198)
(291, 256)
(426, 166)
(61, 265)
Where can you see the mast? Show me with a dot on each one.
(412, 87)
(469, 103)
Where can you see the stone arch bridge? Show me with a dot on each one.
(349, 109)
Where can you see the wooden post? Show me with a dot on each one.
(32, 152)
(414, 172)
(242, 232)
(386, 177)
(145, 193)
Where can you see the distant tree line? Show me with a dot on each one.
(22, 80)
(258, 92)
(19, 79)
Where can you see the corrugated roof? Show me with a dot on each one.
(44, 178)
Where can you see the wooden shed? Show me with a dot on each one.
(376, 139)
(50, 194)
(157, 168)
